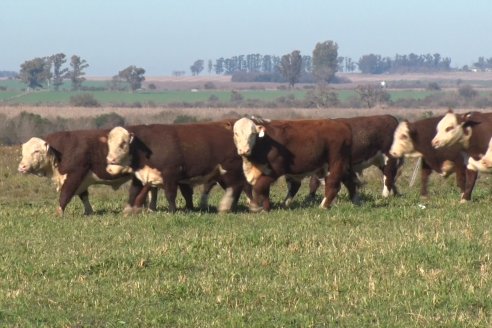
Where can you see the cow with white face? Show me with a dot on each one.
(413, 139)
(294, 149)
(74, 160)
(37, 158)
(471, 133)
(179, 156)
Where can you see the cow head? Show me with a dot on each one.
(119, 141)
(453, 129)
(402, 141)
(35, 157)
(245, 134)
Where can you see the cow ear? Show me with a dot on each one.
(47, 146)
(228, 125)
(131, 137)
(103, 139)
(261, 131)
(450, 111)
(470, 119)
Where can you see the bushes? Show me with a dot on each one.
(84, 100)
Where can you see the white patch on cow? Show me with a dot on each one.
(226, 201)
(486, 160)
(386, 191)
(323, 203)
(449, 132)
(114, 169)
(447, 168)
(150, 176)
(245, 134)
(402, 142)
(252, 172)
(478, 165)
(57, 178)
(119, 140)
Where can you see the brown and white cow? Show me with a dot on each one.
(470, 132)
(372, 137)
(295, 149)
(414, 139)
(170, 155)
(74, 160)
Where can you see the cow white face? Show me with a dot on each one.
(119, 140)
(245, 134)
(35, 158)
(448, 132)
(402, 142)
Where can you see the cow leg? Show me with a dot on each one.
(424, 179)
(69, 189)
(333, 183)
(187, 192)
(471, 178)
(460, 171)
(84, 197)
(314, 184)
(140, 199)
(134, 190)
(170, 191)
(207, 188)
(153, 199)
(350, 181)
(261, 194)
(390, 170)
(292, 189)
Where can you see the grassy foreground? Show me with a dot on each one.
(399, 262)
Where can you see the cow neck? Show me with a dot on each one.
(260, 149)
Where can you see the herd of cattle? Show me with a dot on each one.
(249, 154)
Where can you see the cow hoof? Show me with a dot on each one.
(127, 210)
(137, 210)
(253, 208)
(59, 212)
(464, 201)
(356, 200)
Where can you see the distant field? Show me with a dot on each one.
(399, 262)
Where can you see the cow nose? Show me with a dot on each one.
(394, 154)
(435, 143)
(110, 160)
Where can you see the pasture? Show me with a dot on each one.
(392, 262)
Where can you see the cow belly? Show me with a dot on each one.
(378, 160)
(91, 178)
(203, 179)
(150, 176)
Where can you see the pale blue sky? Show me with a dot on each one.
(162, 36)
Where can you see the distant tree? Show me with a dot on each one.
(373, 64)
(325, 61)
(466, 91)
(290, 67)
(178, 73)
(35, 72)
(210, 66)
(77, 73)
(134, 76)
(219, 66)
(59, 73)
(197, 67)
(371, 95)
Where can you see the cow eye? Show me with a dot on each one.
(449, 128)
(404, 137)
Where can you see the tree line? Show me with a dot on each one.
(52, 71)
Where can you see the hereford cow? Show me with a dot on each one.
(295, 149)
(73, 160)
(188, 154)
(470, 132)
(414, 140)
(372, 137)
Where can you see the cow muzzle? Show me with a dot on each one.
(436, 143)
(23, 168)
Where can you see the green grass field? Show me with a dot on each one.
(14, 94)
(390, 262)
